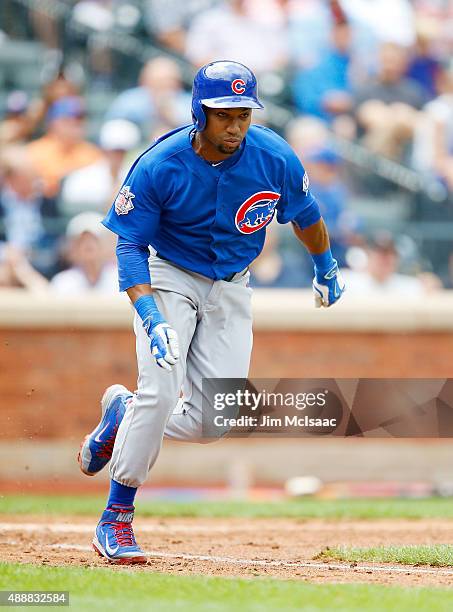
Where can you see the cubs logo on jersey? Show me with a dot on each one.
(123, 202)
(257, 211)
(238, 86)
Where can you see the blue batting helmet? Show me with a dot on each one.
(223, 84)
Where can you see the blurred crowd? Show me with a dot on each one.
(374, 73)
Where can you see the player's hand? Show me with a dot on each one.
(164, 344)
(328, 286)
(164, 340)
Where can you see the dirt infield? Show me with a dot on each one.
(282, 548)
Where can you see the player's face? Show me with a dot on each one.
(226, 128)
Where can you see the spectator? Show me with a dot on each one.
(59, 87)
(374, 22)
(95, 14)
(324, 169)
(309, 26)
(45, 26)
(168, 20)
(382, 20)
(386, 106)
(379, 275)
(279, 268)
(437, 16)
(94, 187)
(230, 32)
(159, 97)
(433, 146)
(17, 272)
(62, 149)
(15, 126)
(431, 283)
(306, 134)
(324, 90)
(99, 19)
(90, 257)
(424, 66)
(22, 117)
(390, 84)
(27, 215)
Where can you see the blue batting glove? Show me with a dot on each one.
(328, 284)
(164, 340)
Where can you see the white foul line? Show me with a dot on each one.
(389, 569)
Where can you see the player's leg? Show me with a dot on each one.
(97, 447)
(223, 299)
(140, 433)
(220, 348)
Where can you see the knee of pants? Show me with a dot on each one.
(156, 397)
(196, 431)
(151, 413)
(210, 433)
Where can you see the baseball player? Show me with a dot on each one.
(201, 197)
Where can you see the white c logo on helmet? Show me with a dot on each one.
(238, 86)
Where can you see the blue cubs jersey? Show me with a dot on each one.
(211, 219)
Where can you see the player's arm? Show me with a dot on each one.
(315, 237)
(328, 284)
(298, 205)
(137, 291)
(135, 218)
(135, 279)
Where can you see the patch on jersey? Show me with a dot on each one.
(305, 183)
(123, 202)
(238, 86)
(257, 211)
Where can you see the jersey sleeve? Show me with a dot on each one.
(135, 213)
(297, 203)
(133, 266)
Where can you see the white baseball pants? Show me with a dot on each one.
(213, 321)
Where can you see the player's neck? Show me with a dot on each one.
(205, 149)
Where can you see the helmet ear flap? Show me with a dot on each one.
(198, 115)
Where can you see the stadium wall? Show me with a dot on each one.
(58, 355)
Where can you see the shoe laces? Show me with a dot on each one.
(106, 449)
(124, 534)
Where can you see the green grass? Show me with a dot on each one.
(103, 589)
(303, 509)
(439, 555)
